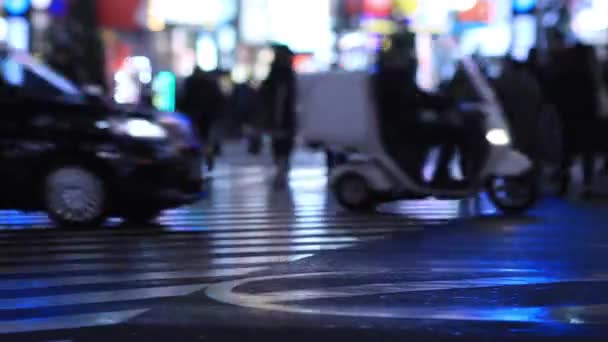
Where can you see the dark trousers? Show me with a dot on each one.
(282, 148)
(429, 135)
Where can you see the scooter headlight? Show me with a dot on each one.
(498, 137)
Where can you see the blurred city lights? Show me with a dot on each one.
(3, 29)
(41, 4)
(524, 6)
(207, 53)
(164, 91)
(463, 5)
(16, 7)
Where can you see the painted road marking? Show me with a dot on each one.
(279, 301)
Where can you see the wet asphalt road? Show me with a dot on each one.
(251, 263)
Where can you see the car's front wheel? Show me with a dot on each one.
(75, 197)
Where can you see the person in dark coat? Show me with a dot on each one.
(399, 102)
(278, 92)
(574, 93)
(521, 96)
(202, 100)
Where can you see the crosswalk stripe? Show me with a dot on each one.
(102, 297)
(188, 244)
(362, 233)
(263, 249)
(29, 271)
(38, 283)
(262, 214)
(68, 322)
(286, 233)
(142, 254)
(250, 210)
(204, 228)
(272, 241)
(235, 221)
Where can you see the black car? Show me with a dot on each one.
(82, 158)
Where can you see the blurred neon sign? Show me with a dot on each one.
(17, 7)
(164, 88)
(377, 8)
(524, 6)
(41, 5)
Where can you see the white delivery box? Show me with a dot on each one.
(335, 109)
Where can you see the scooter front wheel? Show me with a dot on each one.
(352, 191)
(514, 195)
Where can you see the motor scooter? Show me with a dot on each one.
(336, 111)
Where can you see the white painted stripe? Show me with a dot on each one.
(275, 233)
(193, 244)
(37, 283)
(260, 202)
(123, 266)
(102, 297)
(236, 226)
(204, 253)
(326, 213)
(260, 219)
(260, 259)
(320, 209)
(201, 227)
(404, 287)
(238, 215)
(286, 241)
(225, 293)
(307, 232)
(68, 322)
(264, 249)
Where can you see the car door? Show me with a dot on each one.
(14, 114)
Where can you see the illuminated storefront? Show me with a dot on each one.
(590, 21)
(15, 29)
(166, 39)
(304, 25)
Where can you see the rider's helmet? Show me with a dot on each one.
(283, 56)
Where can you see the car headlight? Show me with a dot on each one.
(498, 137)
(140, 128)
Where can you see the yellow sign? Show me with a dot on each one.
(407, 7)
(380, 26)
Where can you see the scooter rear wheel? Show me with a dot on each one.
(352, 191)
(514, 195)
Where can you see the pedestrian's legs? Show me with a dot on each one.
(565, 177)
(588, 173)
(281, 150)
(331, 159)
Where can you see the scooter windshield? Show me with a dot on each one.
(475, 79)
(470, 68)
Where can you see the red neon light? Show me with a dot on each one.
(377, 8)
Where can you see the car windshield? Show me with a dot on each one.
(22, 70)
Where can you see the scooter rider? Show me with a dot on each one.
(400, 102)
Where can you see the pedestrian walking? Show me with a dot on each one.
(278, 93)
(203, 101)
(573, 91)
